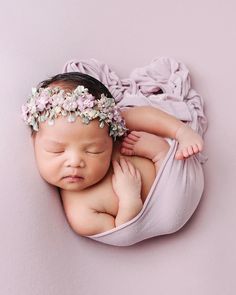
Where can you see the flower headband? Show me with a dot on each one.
(48, 103)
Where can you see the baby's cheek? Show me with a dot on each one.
(100, 168)
(48, 170)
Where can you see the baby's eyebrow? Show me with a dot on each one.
(54, 142)
(87, 144)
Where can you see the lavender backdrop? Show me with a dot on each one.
(40, 254)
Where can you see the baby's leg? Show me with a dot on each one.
(146, 145)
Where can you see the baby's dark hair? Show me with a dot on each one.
(95, 87)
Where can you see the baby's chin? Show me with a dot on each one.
(72, 187)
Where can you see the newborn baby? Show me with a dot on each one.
(103, 182)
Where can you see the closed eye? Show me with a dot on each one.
(88, 152)
(95, 153)
(55, 152)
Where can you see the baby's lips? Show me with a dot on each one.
(73, 176)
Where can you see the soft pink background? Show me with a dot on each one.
(40, 254)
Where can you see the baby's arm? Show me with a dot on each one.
(87, 221)
(126, 182)
(156, 121)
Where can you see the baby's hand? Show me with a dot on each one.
(126, 182)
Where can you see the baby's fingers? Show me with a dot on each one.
(116, 167)
(131, 167)
(124, 165)
(138, 174)
(132, 170)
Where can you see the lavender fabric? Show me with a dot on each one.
(178, 186)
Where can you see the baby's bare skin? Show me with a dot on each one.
(77, 159)
(127, 183)
(101, 198)
(145, 145)
(153, 120)
(124, 189)
(140, 143)
(126, 180)
(190, 142)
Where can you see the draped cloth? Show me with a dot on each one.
(178, 186)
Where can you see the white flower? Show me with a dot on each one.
(34, 90)
(71, 118)
(92, 113)
(80, 90)
(57, 109)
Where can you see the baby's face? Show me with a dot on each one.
(72, 149)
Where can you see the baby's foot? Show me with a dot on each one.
(190, 142)
(144, 144)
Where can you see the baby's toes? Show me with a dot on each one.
(128, 140)
(200, 147)
(185, 152)
(134, 135)
(195, 148)
(179, 155)
(127, 145)
(127, 148)
(127, 152)
(190, 151)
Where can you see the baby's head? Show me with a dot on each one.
(74, 122)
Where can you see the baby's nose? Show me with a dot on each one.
(76, 160)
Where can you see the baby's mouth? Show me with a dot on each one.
(73, 178)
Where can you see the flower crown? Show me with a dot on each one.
(51, 102)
